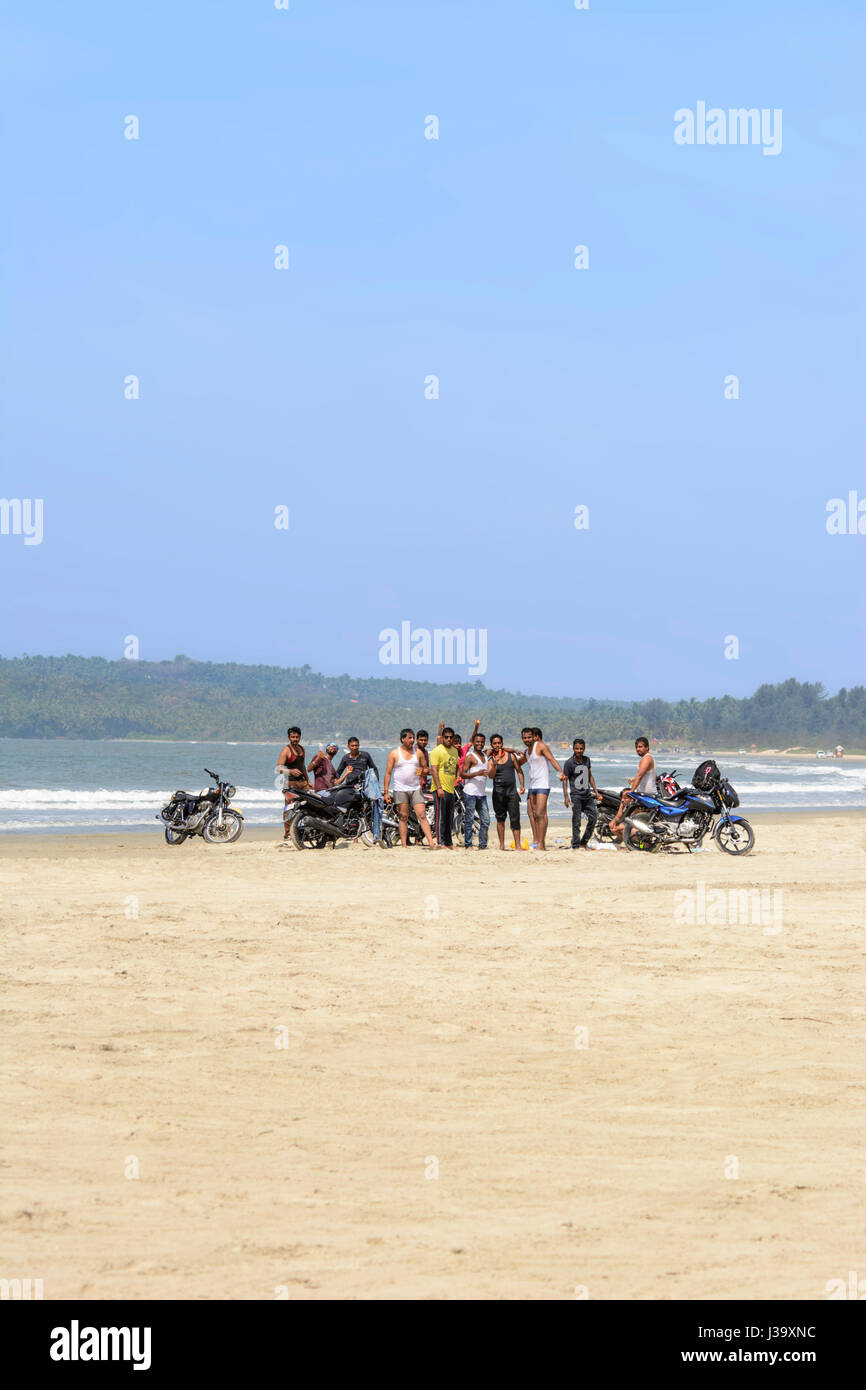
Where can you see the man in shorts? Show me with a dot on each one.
(405, 771)
(537, 754)
(644, 781)
(507, 776)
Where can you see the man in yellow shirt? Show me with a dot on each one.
(443, 766)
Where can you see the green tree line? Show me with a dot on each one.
(89, 697)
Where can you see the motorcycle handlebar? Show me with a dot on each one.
(214, 775)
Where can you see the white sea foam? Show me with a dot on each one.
(74, 799)
(111, 785)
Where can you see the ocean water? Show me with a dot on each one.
(81, 785)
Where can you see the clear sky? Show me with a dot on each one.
(411, 257)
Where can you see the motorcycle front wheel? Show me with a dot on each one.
(224, 834)
(734, 837)
(305, 837)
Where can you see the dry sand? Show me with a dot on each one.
(418, 1043)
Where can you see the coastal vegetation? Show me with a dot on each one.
(91, 698)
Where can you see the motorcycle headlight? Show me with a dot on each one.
(230, 792)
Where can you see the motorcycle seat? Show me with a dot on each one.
(681, 794)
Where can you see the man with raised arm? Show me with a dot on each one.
(537, 754)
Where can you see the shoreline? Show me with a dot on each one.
(112, 833)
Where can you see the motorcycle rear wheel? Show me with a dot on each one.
(304, 837)
(174, 837)
(734, 837)
(639, 840)
(601, 829)
(224, 834)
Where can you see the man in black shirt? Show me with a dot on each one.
(352, 769)
(584, 794)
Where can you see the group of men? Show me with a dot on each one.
(453, 769)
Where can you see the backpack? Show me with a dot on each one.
(706, 776)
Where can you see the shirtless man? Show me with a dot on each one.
(422, 738)
(408, 768)
(537, 754)
(291, 763)
(644, 780)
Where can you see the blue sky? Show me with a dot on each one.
(410, 257)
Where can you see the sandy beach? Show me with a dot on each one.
(250, 1072)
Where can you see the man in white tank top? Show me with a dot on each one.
(644, 780)
(537, 754)
(406, 770)
(475, 792)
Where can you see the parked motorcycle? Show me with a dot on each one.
(658, 822)
(609, 800)
(458, 823)
(414, 833)
(206, 813)
(608, 805)
(319, 821)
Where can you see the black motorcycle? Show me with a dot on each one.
(318, 821)
(414, 833)
(206, 813)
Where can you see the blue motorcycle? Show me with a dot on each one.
(683, 819)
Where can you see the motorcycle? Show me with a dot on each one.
(206, 813)
(317, 821)
(608, 803)
(661, 822)
(458, 823)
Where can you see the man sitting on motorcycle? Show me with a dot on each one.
(644, 781)
(351, 773)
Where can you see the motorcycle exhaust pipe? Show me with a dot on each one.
(637, 823)
(325, 827)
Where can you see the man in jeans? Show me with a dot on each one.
(584, 794)
(475, 792)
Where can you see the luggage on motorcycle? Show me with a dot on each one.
(182, 804)
(728, 795)
(706, 777)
